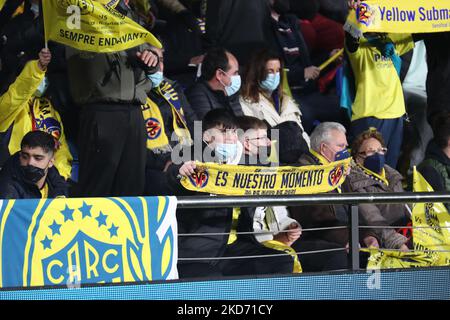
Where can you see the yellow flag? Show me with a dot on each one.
(285, 83)
(2, 3)
(391, 259)
(431, 236)
(436, 220)
(235, 180)
(91, 26)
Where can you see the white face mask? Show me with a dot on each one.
(42, 88)
(226, 151)
(35, 8)
(234, 86)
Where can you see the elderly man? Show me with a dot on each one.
(328, 144)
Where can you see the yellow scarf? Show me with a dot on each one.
(323, 161)
(375, 176)
(157, 139)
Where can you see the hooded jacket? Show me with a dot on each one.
(436, 169)
(380, 214)
(14, 186)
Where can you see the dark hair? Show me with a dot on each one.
(34, 139)
(219, 118)
(215, 58)
(256, 73)
(359, 140)
(441, 129)
(291, 144)
(247, 122)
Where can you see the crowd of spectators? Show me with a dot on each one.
(85, 124)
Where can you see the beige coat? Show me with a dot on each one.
(265, 110)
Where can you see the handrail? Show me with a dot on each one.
(316, 199)
(352, 199)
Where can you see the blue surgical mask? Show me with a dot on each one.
(156, 78)
(341, 155)
(271, 82)
(41, 88)
(375, 162)
(226, 151)
(234, 86)
(35, 8)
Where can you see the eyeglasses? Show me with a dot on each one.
(260, 138)
(371, 152)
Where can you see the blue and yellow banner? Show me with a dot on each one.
(400, 16)
(97, 240)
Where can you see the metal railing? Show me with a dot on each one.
(352, 199)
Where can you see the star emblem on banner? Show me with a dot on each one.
(67, 213)
(86, 210)
(55, 227)
(113, 231)
(47, 243)
(101, 219)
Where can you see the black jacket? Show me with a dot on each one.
(240, 26)
(438, 77)
(13, 185)
(292, 47)
(436, 167)
(319, 216)
(198, 221)
(203, 99)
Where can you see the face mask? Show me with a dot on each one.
(234, 86)
(226, 151)
(41, 88)
(281, 6)
(32, 174)
(156, 78)
(341, 155)
(271, 82)
(35, 8)
(375, 162)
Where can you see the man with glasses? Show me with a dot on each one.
(219, 85)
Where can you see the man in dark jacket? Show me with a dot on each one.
(219, 85)
(110, 88)
(30, 172)
(328, 143)
(205, 233)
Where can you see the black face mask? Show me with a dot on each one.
(282, 6)
(32, 174)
